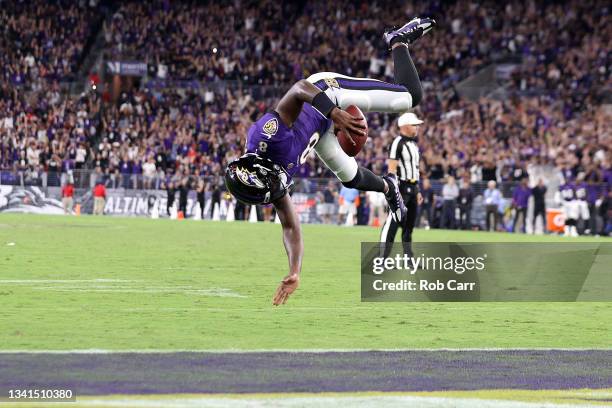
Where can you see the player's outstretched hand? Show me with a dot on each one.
(287, 286)
(348, 123)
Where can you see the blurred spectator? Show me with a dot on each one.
(378, 204)
(363, 208)
(200, 195)
(326, 207)
(450, 192)
(68, 197)
(594, 196)
(170, 195)
(492, 201)
(216, 201)
(426, 207)
(99, 194)
(520, 202)
(348, 207)
(539, 204)
(149, 171)
(466, 198)
(606, 213)
(183, 194)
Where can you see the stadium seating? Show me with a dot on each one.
(553, 112)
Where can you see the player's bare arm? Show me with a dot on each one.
(290, 106)
(292, 238)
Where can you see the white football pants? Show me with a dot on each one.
(370, 95)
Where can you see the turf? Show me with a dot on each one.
(584, 398)
(275, 372)
(120, 283)
(591, 397)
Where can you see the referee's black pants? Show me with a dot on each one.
(409, 194)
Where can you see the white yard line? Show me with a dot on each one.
(116, 286)
(320, 351)
(215, 292)
(60, 281)
(308, 401)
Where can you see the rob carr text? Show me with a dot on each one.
(423, 285)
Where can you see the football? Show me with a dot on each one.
(345, 141)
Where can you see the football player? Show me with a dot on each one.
(307, 118)
(566, 196)
(580, 197)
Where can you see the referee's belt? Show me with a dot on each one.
(411, 181)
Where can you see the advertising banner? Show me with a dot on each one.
(127, 68)
(125, 202)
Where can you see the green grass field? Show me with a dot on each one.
(195, 298)
(117, 283)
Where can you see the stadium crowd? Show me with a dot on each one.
(41, 46)
(43, 42)
(553, 116)
(186, 40)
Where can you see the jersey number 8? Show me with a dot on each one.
(314, 139)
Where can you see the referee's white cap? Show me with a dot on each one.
(408, 118)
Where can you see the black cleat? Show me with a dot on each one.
(394, 199)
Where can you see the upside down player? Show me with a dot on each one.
(305, 119)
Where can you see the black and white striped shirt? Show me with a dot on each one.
(406, 152)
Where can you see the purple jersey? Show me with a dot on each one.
(580, 191)
(607, 177)
(593, 193)
(567, 192)
(269, 137)
(521, 195)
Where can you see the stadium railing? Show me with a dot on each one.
(86, 178)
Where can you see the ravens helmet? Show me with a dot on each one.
(253, 179)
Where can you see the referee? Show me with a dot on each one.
(404, 162)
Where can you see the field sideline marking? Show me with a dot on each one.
(320, 401)
(102, 285)
(38, 281)
(189, 290)
(320, 351)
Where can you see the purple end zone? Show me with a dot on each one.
(200, 372)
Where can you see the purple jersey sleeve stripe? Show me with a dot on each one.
(321, 85)
(369, 84)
